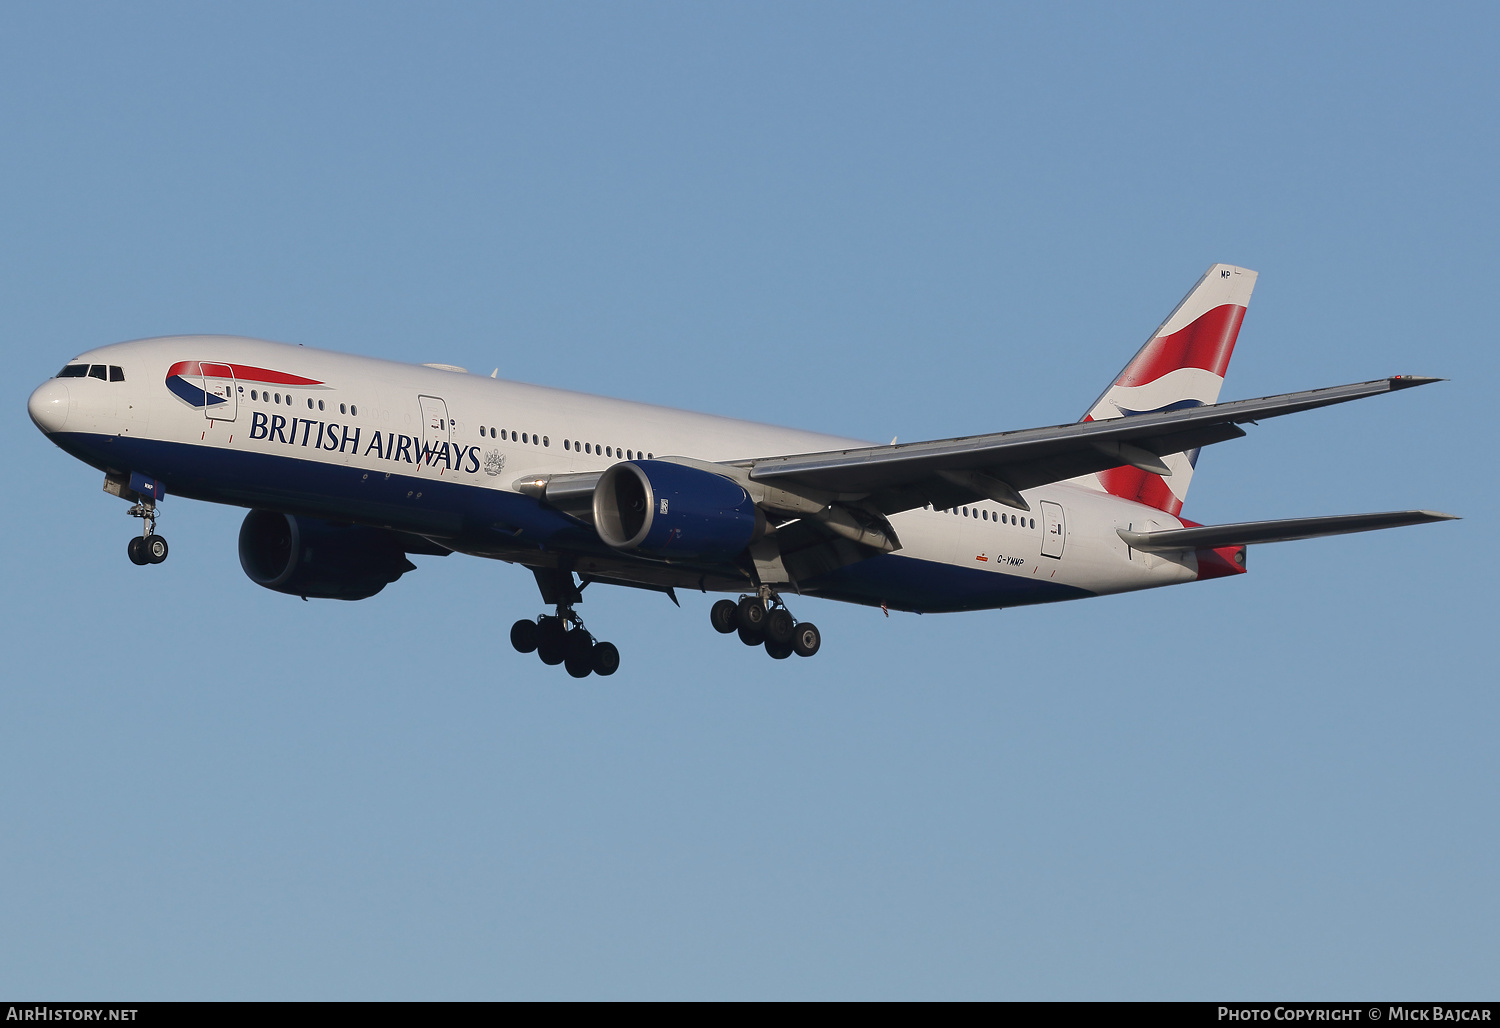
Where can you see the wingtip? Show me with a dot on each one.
(1437, 515)
(1407, 381)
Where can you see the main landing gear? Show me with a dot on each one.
(763, 620)
(561, 638)
(148, 547)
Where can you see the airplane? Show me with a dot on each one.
(349, 465)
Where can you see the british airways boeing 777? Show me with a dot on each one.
(349, 464)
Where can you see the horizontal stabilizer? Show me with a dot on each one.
(1210, 537)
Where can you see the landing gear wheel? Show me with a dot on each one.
(724, 616)
(806, 639)
(148, 547)
(779, 626)
(524, 636)
(580, 643)
(552, 641)
(606, 659)
(751, 614)
(778, 650)
(750, 638)
(580, 653)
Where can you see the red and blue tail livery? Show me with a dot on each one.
(1182, 365)
(351, 464)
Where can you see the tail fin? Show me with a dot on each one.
(1181, 365)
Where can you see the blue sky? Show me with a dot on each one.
(869, 219)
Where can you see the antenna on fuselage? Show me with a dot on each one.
(495, 373)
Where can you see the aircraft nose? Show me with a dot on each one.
(48, 406)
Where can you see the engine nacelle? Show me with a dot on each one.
(309, 557)
(660, 509)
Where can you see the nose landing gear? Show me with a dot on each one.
(148, 547)
(561, 638)
(762, 619)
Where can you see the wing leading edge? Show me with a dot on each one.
(1208, 537)
(998, 466)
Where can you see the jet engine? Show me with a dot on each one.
(666, 510)
(326, 560)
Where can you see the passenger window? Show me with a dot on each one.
(343, 409)
(254, 394)
(320, 405)
(74, 371)
(588, 448)
(353, 411)
(99, 371)
(524, 438)
(309, 403)
(116, 373)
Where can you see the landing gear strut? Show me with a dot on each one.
(561, 638)
(762, 619)
(148, 547)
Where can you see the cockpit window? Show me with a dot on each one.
(99, 371)
(74, 371)
(116, 373)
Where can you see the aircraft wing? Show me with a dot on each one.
(998, 466)
(1207, 537)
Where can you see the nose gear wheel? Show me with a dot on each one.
(148, 547)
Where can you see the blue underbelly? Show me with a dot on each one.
(424, 505)
(908, 583)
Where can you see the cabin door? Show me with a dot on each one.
(1054, 531)
(221, 398)
(437, 430)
